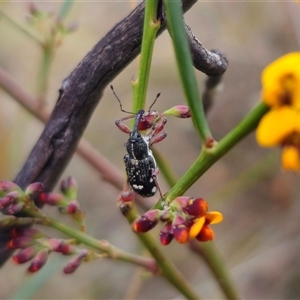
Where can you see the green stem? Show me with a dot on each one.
(165, 168)
(65, 8)
(151, 26)
(209, 156)
(209, 253)
(186, 69)
(44, 70)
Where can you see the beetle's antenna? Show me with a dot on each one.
(121, 107)
(157, 96)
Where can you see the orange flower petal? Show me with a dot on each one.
(206, 234)
(213, 217)
(196, 227)
(276, 125)
(290, 158)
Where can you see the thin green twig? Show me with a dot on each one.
(186, 69)
(209, 156)
(151, 26)
(65, 8)
(211, 256)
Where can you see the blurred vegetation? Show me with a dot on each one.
(259, 237)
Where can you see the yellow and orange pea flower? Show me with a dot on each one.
(200, 229)
(281, 125)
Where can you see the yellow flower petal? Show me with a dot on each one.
(297, 122)
(196, 227)
(281, 80)
(214, 217)
(290, 158)
(276, 125)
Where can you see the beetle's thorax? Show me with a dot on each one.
(137, 146)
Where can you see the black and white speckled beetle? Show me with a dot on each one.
(139, 161)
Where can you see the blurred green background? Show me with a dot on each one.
(259, 237)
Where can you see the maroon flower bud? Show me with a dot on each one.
(69, 187)
(8, 186)
(147, 121)
(7, 200)
(75, 262)
(34, 189)
(73, 207)
(206, 234)
(51, 199)
(196, 207)
(179, 111)
(21, 242)
(147, 221)
(27, 231)
(12, 209)
(166, 234)
(180, 229)
(24, 255)
(61, 246)
(66, 249)
(39, 261)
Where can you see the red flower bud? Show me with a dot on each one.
(180, 229)
(147, 221)
(196, 207)
(21, 242)
(39, 261)
(181, 233)
(59, 245)
(75, 262)
(24, 255)
(73, 207)
(147, 121)
(27, 231)
(166, 234)
(179, 111)
(206, 234)
(126, 196)
(51, 199)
